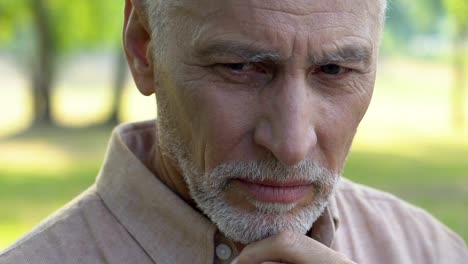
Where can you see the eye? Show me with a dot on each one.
(243, 67)
(236, 66)
(331, 69)
(243, 72)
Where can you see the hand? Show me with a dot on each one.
(289, 247)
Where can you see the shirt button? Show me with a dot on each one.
(223, 252)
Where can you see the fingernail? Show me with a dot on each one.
(234, 261)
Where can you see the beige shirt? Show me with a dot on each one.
(129, 216)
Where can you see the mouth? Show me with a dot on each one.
(276, 192)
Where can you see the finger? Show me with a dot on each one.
(267, 262)
(289, 247)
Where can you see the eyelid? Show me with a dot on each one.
(319, 74)
(254, 65)
(251, 76)
(358, 66)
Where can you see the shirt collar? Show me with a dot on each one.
(325, 227)
(168, 229)
(153, 214)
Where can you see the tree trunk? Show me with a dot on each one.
(458, 89)
(120, 76)
(43, 68)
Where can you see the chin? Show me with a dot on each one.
(266, 219)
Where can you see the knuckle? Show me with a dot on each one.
(287, 239)
(342, 259)
(241, 259)
(244, 256)
(348, 261)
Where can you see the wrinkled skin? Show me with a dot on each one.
(287, 108)
(256, 80)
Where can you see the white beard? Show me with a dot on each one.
(208, 191)
(243, 226)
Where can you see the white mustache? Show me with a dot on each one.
(271, 170)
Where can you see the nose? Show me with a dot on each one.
(287, 127)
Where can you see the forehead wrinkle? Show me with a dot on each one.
(305, 7)
(314, 16)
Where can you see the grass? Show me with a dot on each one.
(428, 173)
(42, 170)
(404, 146)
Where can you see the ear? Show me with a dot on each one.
(136, 41)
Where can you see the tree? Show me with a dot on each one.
(118, 85)
(60, 27)
(23, 18)
(407, 18)
(423, 16)
(458, 10)
(43, 72)
(100, 27)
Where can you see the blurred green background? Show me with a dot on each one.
(64, 84)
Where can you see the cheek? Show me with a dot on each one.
(336, 132)
(222, 124)
(226, 133)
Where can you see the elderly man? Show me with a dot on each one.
(258, 104)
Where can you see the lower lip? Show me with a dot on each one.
(275, 194)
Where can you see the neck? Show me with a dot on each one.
(165, 169)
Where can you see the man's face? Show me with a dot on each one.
(259, 102)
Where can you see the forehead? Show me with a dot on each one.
(278, 12)
(292, 7)
(279, 21)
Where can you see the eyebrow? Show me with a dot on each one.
(254, 53)
(346, 53)
(248, 52)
